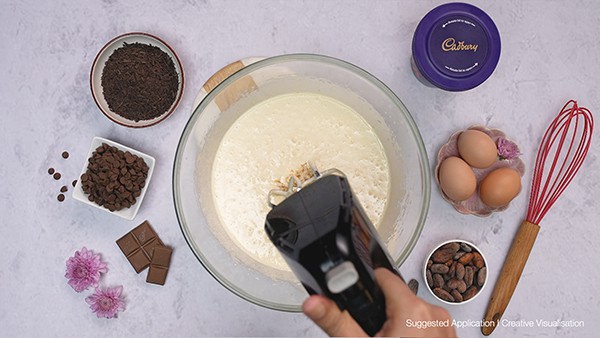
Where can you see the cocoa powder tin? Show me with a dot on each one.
(455, 47)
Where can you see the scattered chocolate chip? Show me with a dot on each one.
(56, 176)
(413, 285)
(74, 183)
(65, 154)
(50, 171)
(61, 197)
(64, 188)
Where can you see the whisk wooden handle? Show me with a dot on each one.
(510, 274)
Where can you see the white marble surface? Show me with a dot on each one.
(550, 54)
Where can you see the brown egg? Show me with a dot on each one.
(457, 179)
(499, 187)
(477, 148)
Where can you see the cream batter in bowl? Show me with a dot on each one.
(264, 121)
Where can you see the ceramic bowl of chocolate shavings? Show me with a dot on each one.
(114, 178)
(137, 80)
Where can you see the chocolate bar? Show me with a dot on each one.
(159, 266)
(138, 245)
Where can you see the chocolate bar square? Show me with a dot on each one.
(139, 260)
(128, 244)
(159, 266)
(144, 233)
(138, 245)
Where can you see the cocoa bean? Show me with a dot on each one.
(465, 247)
(443, 294)
(448, 262)
(438, 281)
(452, 270)
(462, 286)
(439, 268)
(442, 255)
(457, 296)
(429, 263)
(481, 276)
(454, 246)
(478, 260)
(469, 274)
(445, 287)
(429, 278)
(458, 255)
(413, 285)
(460, 271)
(472, 291)
(453, 283)
(466, 258)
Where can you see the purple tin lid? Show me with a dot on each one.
(456, 46)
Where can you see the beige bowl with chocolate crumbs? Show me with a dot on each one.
(114, 178)
(455, 272)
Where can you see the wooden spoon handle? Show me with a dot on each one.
(510, 274)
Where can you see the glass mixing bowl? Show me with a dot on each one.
(408, 199)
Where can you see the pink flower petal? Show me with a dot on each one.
(84, 270)
(106, 302)
(507, 150)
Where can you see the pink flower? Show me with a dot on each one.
(507, 150)
(106, 302)
(84, 269)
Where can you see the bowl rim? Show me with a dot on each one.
(487, 275)
(129, 213)
(424, 161)
(171, 52)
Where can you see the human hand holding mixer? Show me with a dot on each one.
(401, 303)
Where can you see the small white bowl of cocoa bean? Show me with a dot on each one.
(455, 272)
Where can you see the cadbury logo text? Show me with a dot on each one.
(450, 45)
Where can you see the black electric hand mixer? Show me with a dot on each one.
(329, 243)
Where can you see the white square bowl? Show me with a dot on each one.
(127, 213)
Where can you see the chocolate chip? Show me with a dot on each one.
(64, 188)
(413, 285)
(56, 176)
(50, 171)
(74, 183)
(65, 154)
(114, 178)
(60, 197)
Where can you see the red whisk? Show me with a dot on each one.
(562, 151)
